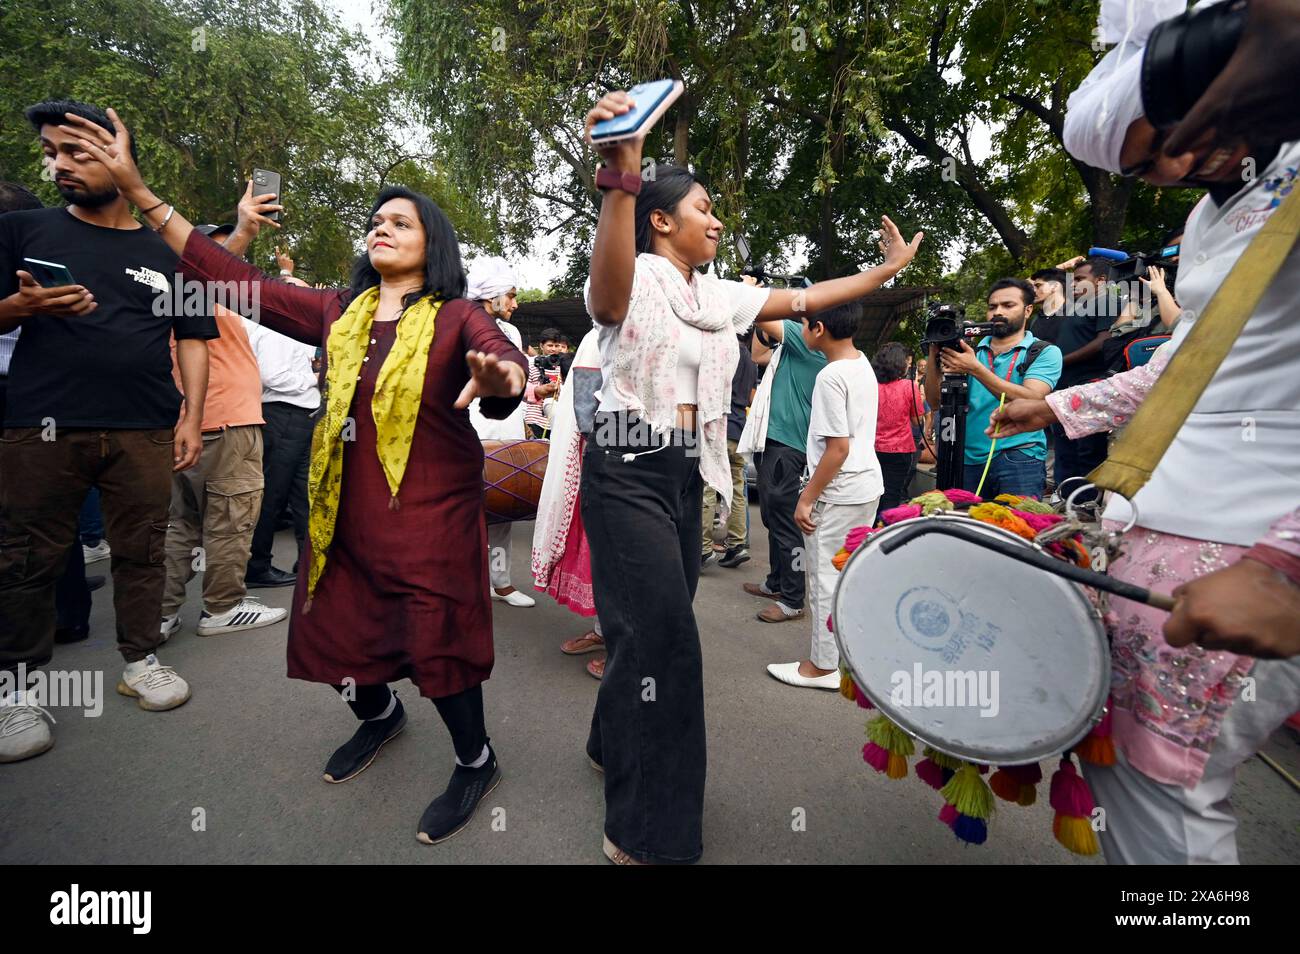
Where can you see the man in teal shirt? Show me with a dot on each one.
(780, 468)
(1010, 362)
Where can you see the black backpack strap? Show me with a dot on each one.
(1036, 347)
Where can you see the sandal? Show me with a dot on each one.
(596, 668)
(588, 642)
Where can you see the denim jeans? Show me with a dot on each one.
(642, 518)
(1011, 471)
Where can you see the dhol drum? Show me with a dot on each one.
(512, 479)
(973, 652)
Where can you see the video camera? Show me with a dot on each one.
(554, 362)
(756, 270)
(1126, 269)
(947, 327)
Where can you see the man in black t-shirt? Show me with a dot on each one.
(1052, 306)
(1097, 305)
(91, 402)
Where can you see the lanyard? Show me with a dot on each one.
(1011, 368)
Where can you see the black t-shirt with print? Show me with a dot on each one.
(112, 367)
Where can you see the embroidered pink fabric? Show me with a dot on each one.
(1109, 403)
(1167, 704)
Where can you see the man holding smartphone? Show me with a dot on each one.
(91, 402)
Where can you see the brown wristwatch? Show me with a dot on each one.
(607, 178)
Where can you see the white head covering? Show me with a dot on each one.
(1099, 112)
(490, 277)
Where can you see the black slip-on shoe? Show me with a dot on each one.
(452, 810)
(355, 755)
(272, 577)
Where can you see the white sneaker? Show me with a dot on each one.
(789, 674)
(170, 625)
(100, 551)
(514, 598)
(154, 686)
(24, 729)
(248, 613)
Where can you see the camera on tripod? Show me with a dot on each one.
(947, 327)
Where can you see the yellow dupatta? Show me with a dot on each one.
(396, 406)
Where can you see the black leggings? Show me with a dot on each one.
(462, 714)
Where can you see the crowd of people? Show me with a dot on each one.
(357, 414)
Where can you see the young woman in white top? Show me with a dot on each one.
(668, 354)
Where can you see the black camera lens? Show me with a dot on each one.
(1184, 55)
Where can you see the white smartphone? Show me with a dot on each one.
(650, 102)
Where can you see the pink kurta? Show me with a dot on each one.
(405, 592)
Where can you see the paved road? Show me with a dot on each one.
(249, 747)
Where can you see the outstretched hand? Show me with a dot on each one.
(897, 252)
(490, 377)
(1020, 416)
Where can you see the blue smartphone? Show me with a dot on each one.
(49, 274)
(650, 102)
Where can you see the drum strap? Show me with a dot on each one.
(1139, 449)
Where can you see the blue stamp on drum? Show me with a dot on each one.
(931, 619)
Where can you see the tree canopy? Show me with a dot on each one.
(212, 89)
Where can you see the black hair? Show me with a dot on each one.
(1172, 234)
(51, 113)
(1099, 264)
(552, 334)
(662, 187)
(1026, 289)
(890, 363)
(16, 198)
(1050, 275)
(840, 321)
(444, 272)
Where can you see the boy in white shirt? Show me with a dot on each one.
(843, 481)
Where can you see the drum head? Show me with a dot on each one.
(977, 654)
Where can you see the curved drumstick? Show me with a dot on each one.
(1078, 574)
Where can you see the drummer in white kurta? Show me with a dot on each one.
(492, 283)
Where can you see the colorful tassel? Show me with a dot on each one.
(931, 773)
(847, 689)
(1097, 747)
(892, 740)
(1075, 834)
(948, 815)
(1070, 797)
(841, 557)
(1069, 793)
(875, 756)
(969, 793)
(853, 539)
(1017, 783)
(974, 831)
(1000, 516)
(943, 761)
(904, 512)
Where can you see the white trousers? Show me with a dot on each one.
(1152, 823)
(833, 521)
(498, 535)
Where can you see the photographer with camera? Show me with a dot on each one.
(546, 373)
(1008, 363)
(1227, 546)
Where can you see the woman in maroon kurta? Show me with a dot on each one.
(404, 589)
(404, 592)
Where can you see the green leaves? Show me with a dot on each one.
(213, 88)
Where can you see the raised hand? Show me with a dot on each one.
(897, 252)
(624, 155)
(111, 150)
